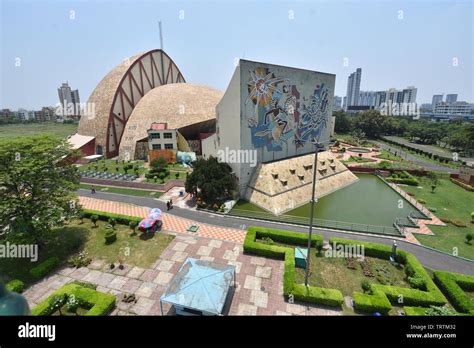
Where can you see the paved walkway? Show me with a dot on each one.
(258, 291)
(428, 257)
(170, 222)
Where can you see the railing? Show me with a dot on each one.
(332, 224)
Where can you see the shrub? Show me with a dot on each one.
(417, 282)
(452, 285)
(112, 222)
(103, 216)
(421, 201)
(99, 303)
(133, 225)
(472, 217)
(469, 238)
(365, 285)
(94, 218)
(377, 302)
(110, 236)
(439, 311)
(80, 260)
(458, 223)
(44, 267)
(15, 285)
(445, 220)
(433, 210)
(84, 284)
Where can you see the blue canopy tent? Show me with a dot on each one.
(199, 288)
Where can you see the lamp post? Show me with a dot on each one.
(318, 146)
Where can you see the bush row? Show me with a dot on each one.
(329, 297)
(103, 216)
(15, 285)
(44, 267)
(462, 184)
(453, 285)
(395, 294)
(100, 303)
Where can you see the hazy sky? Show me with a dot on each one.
(396, 43)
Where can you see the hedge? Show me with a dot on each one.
(453, 285)
(15, 285)
(100, 303)
(405, 181)
(415, 311)
(409, 296)
(371, 303)
(44, 267)
(329, 297)
(103, 216)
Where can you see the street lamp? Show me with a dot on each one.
(318, 146)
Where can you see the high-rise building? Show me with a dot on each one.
(409, 94)
(336, 103)
(451, 98)
(455, 108)
(353, 88)
(367, 98)
(437, 98)
(70, 102)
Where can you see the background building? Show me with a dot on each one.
(451, 98)
(70, 102)
(457, 108)
(337, 103)
(353, 88)
(437, 98)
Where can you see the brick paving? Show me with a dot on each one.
(170, 222)
(258, 290)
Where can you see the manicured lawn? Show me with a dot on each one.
(356, 159)
(172, 176)
(123, 191)
(333, 273)
(388, 156)
(453, 202)
(111, 166)
(70, 239)
(135, 250)
(60, 130)
(245, 205)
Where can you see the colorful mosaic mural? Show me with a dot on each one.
(280, 118)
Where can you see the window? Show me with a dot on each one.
(156, 146)
(167, 135)
(169, 146)
(155, 136)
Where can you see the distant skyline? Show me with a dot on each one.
(397, 44)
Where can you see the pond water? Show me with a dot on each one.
(367, 201)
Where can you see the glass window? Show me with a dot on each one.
(167, 135)
(156, 146)
(169, 146)
(155, 136)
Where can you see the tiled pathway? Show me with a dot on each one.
(170, 222)
(259, 281)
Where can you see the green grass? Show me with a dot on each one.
(133, 250)
(110, 166)
(452, 202)
(356, 159)
(328, 272)
(388, 156)
(171, 176)
(60, 130)
(70, 239)
(123, 191)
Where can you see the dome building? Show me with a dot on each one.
(144, 89)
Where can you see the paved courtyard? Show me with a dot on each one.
(258, 291)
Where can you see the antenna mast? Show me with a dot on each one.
(161, 35)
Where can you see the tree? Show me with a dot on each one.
(372, 123)
(434, 178)
(94, 219)
(38, 185)
(343, 123)
(112, 222)
(469, 238)
(211, 181)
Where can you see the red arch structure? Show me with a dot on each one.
(119, 92)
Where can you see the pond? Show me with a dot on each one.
(367, 201)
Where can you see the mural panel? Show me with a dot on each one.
(282, 115)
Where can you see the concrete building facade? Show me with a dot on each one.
(273, 113)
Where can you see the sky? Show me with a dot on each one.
(428, 44)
